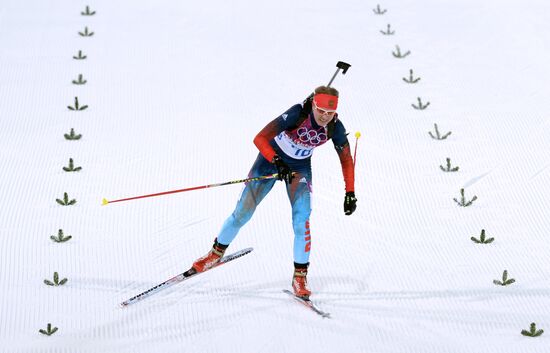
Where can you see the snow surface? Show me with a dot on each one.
(176, 92)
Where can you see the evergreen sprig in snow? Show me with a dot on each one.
(71, 167)
(411, 78)
(482, 239)
(49, 330)
(397, 53)
(80, 80)
(533, 332)
(388, 32)
(438, 135)
(77, 105)
(87, 12)
(66, 201)
(378, 10)
(86, 33)
(463, 202)
(449, 168)
(420, 106)
(505, 280)
(80, 56)
(56, 281)
(60, 238)
(72, 135)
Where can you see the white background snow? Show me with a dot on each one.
(176, 92)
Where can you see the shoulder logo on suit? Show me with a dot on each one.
(284, 116)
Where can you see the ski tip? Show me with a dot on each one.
(309, 304)
(104, 202)
(244, 251)
(357, 134)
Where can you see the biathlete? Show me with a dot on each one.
(286, 145)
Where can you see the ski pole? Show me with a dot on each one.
(357, 135)
(264, 177)
(341, 66)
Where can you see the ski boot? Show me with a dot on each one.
(211, 259)
(299, 281)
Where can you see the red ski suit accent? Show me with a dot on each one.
(265, 137)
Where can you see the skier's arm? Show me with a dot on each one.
(343, 149)
(346, 160)
(267, 134)
(275, 127)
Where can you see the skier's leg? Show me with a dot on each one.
(251, 196)
(299, 193)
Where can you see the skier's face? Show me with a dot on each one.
(322, 117)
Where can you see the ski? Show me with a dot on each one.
(308, 303)
(182, 277)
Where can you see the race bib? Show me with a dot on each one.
(300, 143)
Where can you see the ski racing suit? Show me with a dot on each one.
(295, 145)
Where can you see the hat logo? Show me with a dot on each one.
(331, 103)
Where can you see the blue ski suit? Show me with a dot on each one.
(293, 139)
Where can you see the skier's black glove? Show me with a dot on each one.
(284, 171)
(350, 203)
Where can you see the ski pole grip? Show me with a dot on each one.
(340, 66)
(344, 66)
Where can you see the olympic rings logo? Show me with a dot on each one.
(312, 136)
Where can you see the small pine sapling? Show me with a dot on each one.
(80, 56)
(66, 201)
(88, 12)
(60, 238)
(397, 53)
(56, 281)
(86, 33)
(463, 201)
(49, 330)
(533, 332)
(482, 239)
(80, 81)
(420, 105)
(72, 135)
(71, 167)
(437, 135)
(388, 32)
(505, 280)
(449, 168)
(378, 10)
(76, 105)
(411, 78)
